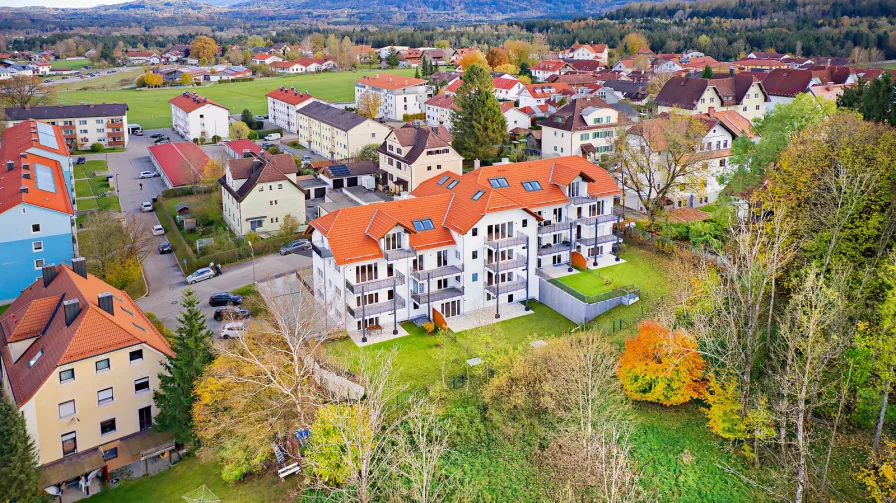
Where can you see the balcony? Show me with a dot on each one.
(116, 143)
(609, 238)
(321, 251)
(506, 265)
(599, 219)
(443, 294)
(562, 226)
(518, 240)
(398, 254)
(550, 249)
(439, 272)
(576, 200)
(114, 123)
(110, 134)
(374, 309)
(375, 284)
(505, 287)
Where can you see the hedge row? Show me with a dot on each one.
(264, 132)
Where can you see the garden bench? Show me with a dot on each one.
(289, 470)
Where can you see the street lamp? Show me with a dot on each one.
(251, 249)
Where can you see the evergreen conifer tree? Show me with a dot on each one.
(478, 125)
(18, 458)
(192, 348)
(707, 72)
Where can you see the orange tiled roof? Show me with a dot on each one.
(192, 101)
(389, 81)
(547, 90)
(24, 139)
(93, 331)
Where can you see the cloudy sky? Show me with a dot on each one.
(58, 3)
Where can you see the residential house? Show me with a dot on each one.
(741, 93)
(236, 149)
(143, 58)
(263, 58)
(758, 65)
(541, 94)
(438, 110)
(40, 67)
(585, 65)
(624, 65)
(410, 58)
(37, 204)
(441, 57)
(596, 52)
(335, 133)
(81, 363)
(194, 116)
(259, 191)
(462, 244)
(783, 85)
(82, 125)
(767, 55)
(400, 96)
(666, 65)
(545, 69)
(411, 155)
(627, 89)
(179, 164)
(514, 117)
(384, 52)
(586, 127)
(507, 89)
(233, 72)
(283, 103)
(829, 91)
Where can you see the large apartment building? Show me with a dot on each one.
(81, 362)
(194, 116)
(37, 204)
(399, 95)
(82, 125)
(283, 103)
(335, 133)
(461, 242)
(740, 93)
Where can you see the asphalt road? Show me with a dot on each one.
(163, 274)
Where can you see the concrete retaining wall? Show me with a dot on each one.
(574, 309)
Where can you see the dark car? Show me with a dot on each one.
(81, 160)
(225, 299)
(231, 313)
(157, 135)
(162, 139)
(165, 247)
(295, 246)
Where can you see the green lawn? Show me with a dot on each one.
(87, 204)
(95, 165)
(81, 171)
(188, 475)
(606, 279)
(77, 64)
(82, 188)
(108, 203)
(150, 109)
(113, 81)
(106, 150)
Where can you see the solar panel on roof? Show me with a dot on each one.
(46, 136)
(44, 178)
(340, 170)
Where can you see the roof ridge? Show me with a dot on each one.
(372, 218)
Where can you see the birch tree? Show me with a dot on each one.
(421, 447)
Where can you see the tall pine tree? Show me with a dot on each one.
(18, 458)
(707, 72)
(192, 345)
(478, 126)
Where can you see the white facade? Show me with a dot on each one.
(208, 120)
(264, 207)
(516, 119)
(82, 132)
(283, 113)
(438, 116)
(397, 98)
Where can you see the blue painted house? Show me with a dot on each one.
(37, 204)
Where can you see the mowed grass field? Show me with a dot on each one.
(150, 108)
(70, 63)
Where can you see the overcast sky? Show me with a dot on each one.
(58, 3)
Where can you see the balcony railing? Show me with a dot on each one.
(518, 240)
(608, 238)
(506, 265)
(321, 251)
(505, 287)
(582, 199)
(551, 249)
(374, 284)
(437, 295)
(438, 272)
(374, 309)
(562, 226)
(599, 219)
(398, 254)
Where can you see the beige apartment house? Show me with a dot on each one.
(335, 133)
(82, 125)
(259, 191)
(740, 93)
(81, 362)
(413, 154)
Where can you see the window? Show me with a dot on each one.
(453, 184)
(261, 188)
(99, 121)
(66, 409)
(37, 246)
(498, 182)
(69, 443)
(475, 254)
(475, 231)
(423, 225)
(35, 228)
(82, 123)
(478, 194)
(525, 222)
(34, 358)
(443, 180)
(532, 186)
(279, 186)
(107, 426)
(39, 263)
(475, 277)
(141, 385)
(105, 396)
(110, 454)
(67, 375)
(102, 365)
(136, 355)
(757, 107)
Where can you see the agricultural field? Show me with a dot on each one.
(150, 108)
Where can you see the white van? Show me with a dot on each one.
(272, 137)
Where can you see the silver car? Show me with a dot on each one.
(295, 246)
(201, 274)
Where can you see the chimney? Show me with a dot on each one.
(27, 107)
(79, 265)
(59, 105)
(91, 105)
(104, 300)
(49, 273)
(475, 163)
(10, 165)
(71, 308)
(711, 109)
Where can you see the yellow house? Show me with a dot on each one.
(410, 155)
(740, 93)
(81, 362)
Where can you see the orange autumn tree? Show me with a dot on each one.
(661, 366)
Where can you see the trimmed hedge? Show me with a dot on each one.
(264, 132)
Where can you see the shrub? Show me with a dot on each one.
(274, 149)
(661, 366)
(196, 141)
(253, 135)
(97, 147)
(429, 327)
(216, 138)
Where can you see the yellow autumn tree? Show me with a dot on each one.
(474, 57)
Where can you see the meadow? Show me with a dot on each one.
(150, 108)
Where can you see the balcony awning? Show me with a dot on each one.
(71, 467)
(146, 444)
(588, 148)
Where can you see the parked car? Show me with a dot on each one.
(272, 137)
(146, 207)
(306, 158)
(148, 174)
(260, 117)
(266, 145)
(50, 80)
(165, 247)
(158, 230)
(233, 330)
(295, 246)
(81, 160)
(231, 313)
(201, 274)
(162, 139)
(225, 299)
(157, 135)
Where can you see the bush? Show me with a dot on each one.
(274, 149)
(253, 135)
(429, 327)
(97, 147)
(216, 138)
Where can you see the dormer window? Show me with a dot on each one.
(423, 224)
(36, 357)
(498, 182)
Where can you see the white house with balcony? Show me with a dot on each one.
(194, 116)
(399, 96)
